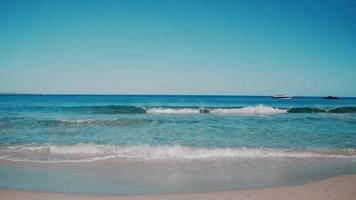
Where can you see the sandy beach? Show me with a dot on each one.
(177, 100)
(337, 188)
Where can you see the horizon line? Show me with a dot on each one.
(153, 94)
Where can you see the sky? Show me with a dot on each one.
(221, 47)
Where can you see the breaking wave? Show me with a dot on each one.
(248, 110)
(92, 152)
(107, 122)
(173, 110)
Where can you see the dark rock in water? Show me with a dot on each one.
(331, 97)
(204, 111)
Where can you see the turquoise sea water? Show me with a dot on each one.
(200, 143)
(84, 127)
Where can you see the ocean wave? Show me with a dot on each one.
(110, 109)
(103, 122)
(32, 122)
(75, 121)
(90, 109)
(250, 110)
(348, 109)
(91, 152)
(173, 110)
(307, 110)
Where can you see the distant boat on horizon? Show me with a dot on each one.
(282, 96)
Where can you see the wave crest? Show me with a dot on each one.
(113, 109)
(91, 152)
(250, 110)
(103, 122)
(173, 111)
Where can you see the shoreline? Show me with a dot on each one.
(335, 188)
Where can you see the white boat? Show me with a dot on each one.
(282, 96)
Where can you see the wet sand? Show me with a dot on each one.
(336, 188)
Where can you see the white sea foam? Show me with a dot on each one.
(75, 121)
(173, 111)
(91, 152)
(250, 110)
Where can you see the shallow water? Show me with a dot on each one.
(154, 144)
(77, 127)
(179, 176)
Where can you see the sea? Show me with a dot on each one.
(139, 144)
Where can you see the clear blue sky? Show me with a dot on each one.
(178, 47)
